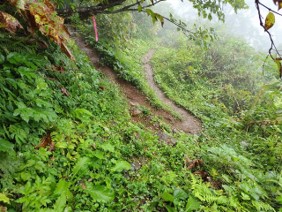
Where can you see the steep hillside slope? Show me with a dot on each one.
(68, 142)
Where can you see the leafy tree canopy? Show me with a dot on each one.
(45, 15)
(42, 14)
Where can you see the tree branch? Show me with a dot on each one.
(272, 46)
(86, 12)
(129, 8)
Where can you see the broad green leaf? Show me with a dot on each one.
(61, 145)
(167, 197)
(269, 21)
(80, 166)
(41, 84)
(25, 113)
(108, 147)
(100, 193)
(2, 59)
(192, 204)
(14, 58)
(139, 8)
(160, 18)
(27, 72)
(121, 165)
(18, 58)
(99, 154)
(4, 198)
(62, 188)
(152, 14)
(82, 114)
(63, 193)
(60, 203)
(179, 194)
(170, 209)
(279, 199)
(245, 196)
(5, 146)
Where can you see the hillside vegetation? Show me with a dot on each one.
(68, 141)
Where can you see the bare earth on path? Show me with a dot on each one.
(188, 122)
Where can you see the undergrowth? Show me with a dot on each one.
(241, 118)
(67, 142)
(126, 60)
(240, 144)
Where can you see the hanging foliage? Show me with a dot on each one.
(40, 16)
(269, 21)
(9, 23)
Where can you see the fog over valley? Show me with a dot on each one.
(243, 24)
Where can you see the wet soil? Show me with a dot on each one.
(188, 123)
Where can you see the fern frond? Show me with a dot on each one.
(261, 206)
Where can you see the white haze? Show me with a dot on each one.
(244, 24)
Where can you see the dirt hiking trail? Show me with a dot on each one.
(188, 122)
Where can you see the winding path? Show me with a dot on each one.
(188, 122)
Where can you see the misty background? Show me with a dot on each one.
(243, 24)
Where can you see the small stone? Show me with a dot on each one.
(169, 140)
(133, 103)
(163, 136)
(173, 141)
(136, 112)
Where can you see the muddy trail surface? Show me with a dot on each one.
(188, 123)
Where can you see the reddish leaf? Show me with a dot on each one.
(42, 16)
(101, 87)
(203, 174)
(190, 164)
(10, 23)
(46, 141)
(52, 146)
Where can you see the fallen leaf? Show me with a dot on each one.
(52, 146)
(190, 164)
(203, 174)
(3, 208)
(46, 141)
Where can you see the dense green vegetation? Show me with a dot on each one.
(67, 141)
(239, 105)
(86, 164)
